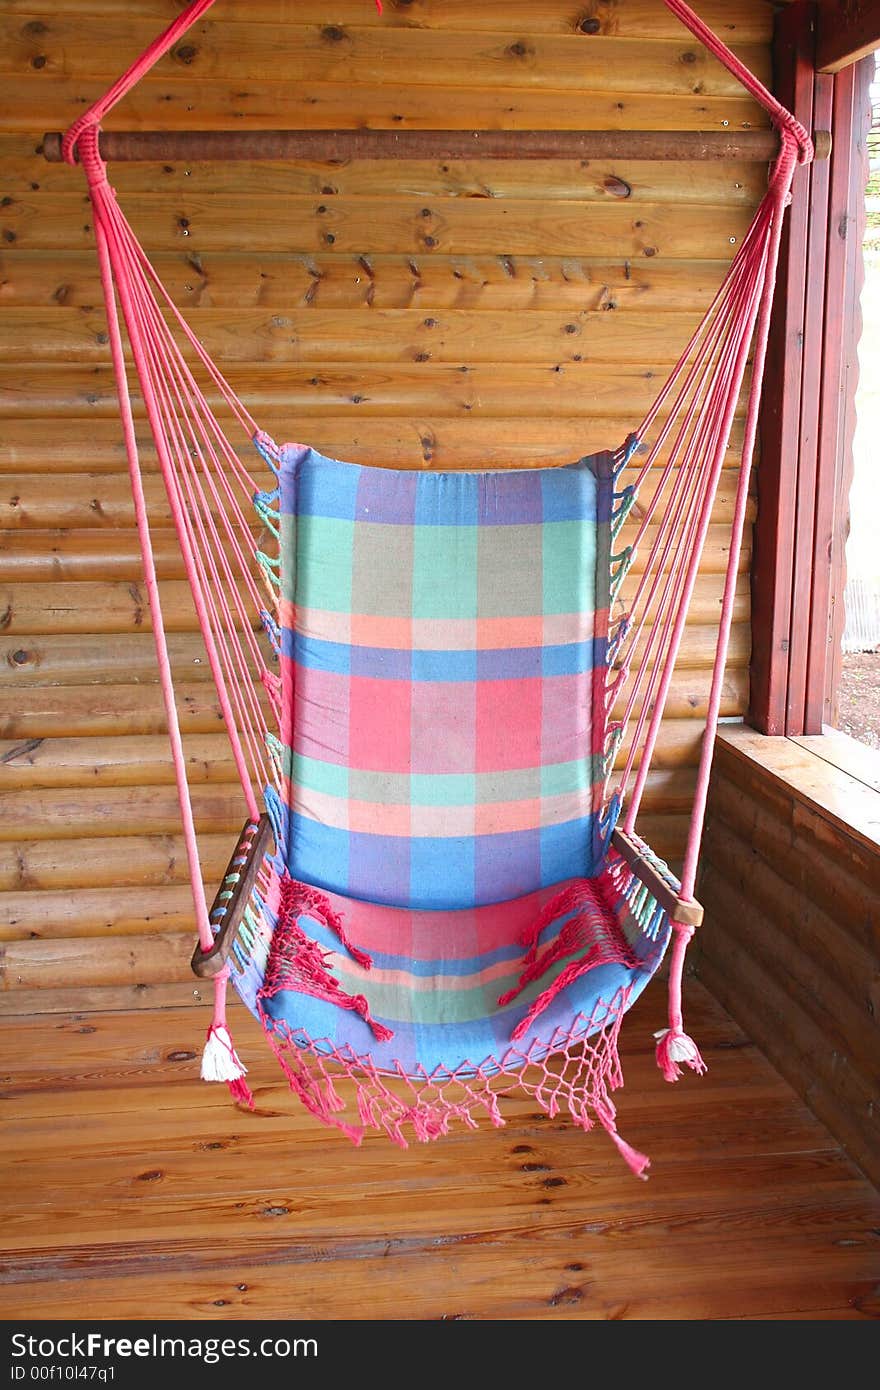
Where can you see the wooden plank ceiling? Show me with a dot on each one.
(425, 315)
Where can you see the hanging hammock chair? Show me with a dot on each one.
(447, 689)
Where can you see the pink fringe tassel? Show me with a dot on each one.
(566, 977)
(637, 1162)
(241, 1092)
(594, 929)
(298, 963)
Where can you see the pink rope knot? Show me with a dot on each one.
(806, 149)
(796, 147)
(81, 145)
(71, 136)
(673, 1044)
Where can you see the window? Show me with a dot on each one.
(858, 694)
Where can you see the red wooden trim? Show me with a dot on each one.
(807, 420)
(804, 576)
(846, 221)
(848, 30)
(773, 562)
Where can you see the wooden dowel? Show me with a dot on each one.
(253, 843)
(688, 913)
(329, 146)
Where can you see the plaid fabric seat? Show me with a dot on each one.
(444, 640)
(436, 979)
(442, 922)
(443, 648)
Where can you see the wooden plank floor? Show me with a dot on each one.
(131, 1190)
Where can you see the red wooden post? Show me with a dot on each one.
(804, 575)
(773, 617)
(848, 30)
(805, 470)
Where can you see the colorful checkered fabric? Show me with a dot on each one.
(437, 977)
(443, 650)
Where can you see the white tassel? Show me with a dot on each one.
(681, 1048)
(220, 1061)
(674, 1047)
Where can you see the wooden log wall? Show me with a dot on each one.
(791, 942)
(419, 315)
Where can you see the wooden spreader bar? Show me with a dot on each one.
(252, 843)
(339, 146)
(690, 914)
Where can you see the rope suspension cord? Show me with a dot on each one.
(203, 476)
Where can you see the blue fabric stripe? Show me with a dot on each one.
(449, 1044)
(392, 663)
(439, 872)
(329, 487)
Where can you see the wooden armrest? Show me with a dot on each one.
(690, 914)
(251, 848)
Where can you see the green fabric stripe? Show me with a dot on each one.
(444, 572)
(439, 789)
(330, 778)
(288, 548)
(569, 567)
(323, 566)
(397, 1003)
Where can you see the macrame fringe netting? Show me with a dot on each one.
(587, 939)
(573, 1068)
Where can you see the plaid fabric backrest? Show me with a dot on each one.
(444, 640)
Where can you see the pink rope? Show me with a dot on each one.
(682, 503)
(783, 176)
(166, 371)
(719, 411)
(244, 416)
(780, 115)
(132, 75)
(204, 424)
(205, 546)
(150, 581)
(677, 531)
(739, 267)
(206, 549)
(674, 641)
(691, 497)
(124, 283)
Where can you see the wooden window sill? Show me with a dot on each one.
(833, 773)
